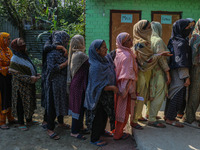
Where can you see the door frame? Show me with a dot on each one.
(166, 12)
(120, 11)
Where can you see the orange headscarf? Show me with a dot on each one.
(5, 53)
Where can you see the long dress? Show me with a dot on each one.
(56, 82)
(180, 63)
(5, 80)
(22, 87)
(194, 91)
(158, 86)
(99, 103)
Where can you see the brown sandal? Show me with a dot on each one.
(136, 126)
(175, 123)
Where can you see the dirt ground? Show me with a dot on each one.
(36, 138)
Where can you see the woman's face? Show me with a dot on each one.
(148, 26)
(190, 25)
(129, 42)
(102, 51)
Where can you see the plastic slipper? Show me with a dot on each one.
(193, 124)
(4, 127)
(23, 128)
(54, 136)
(108, 134)
(99, 143)
(156, 124)
(175, 123)
(136, 126)
(124, 136)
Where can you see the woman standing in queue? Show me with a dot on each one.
(146, 61)
(23, 84)
(99, 99)
(180, 63)
(126, 75)
(56, 84)
(194, 91)
(158, 83)
(5, 81)
(77, 79)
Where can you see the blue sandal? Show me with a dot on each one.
(23, 128)
(97, 143)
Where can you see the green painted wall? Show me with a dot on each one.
(98, 13)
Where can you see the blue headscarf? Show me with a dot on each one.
(101, 74)
(179, 45)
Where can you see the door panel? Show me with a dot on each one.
(166, 28)
(118, 24)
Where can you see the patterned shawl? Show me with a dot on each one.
(5, 53)
(101, 74)
(179, 45)
(76, 56)
(21, 59)
(142, 46)
(195, 44)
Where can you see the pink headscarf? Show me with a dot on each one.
(125, 59)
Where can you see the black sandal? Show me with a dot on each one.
(54, 136)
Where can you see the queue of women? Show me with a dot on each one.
(141, 71)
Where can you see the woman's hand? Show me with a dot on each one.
(115, 89)
(111, 88)
(187, 82)
(62, 48)
(34, 79)
(63, 65)
(168, 78)
(165, 53)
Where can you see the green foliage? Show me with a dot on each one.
(49, 15)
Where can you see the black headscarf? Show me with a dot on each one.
(179, 45)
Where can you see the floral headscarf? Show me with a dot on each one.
(197, 28)
(4, 37)
(142, 46)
